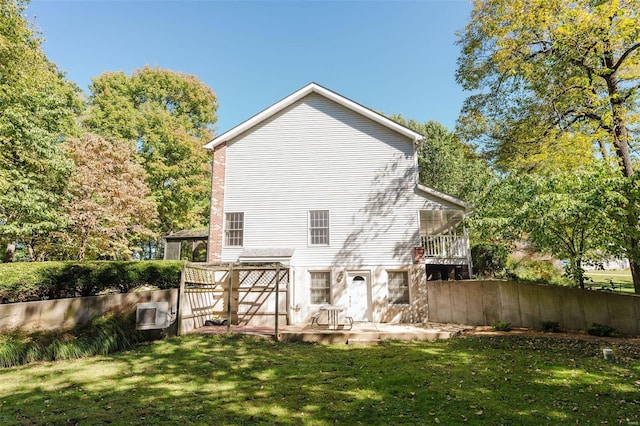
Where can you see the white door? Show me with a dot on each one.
(358, 292)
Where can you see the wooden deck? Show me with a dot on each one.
(361, 334)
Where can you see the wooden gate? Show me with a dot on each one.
(258, 294)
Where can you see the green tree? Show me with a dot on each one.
(449, 165)
(570, 215)
(558, 85)
(37, 108)
(108, 210)
(169, 116)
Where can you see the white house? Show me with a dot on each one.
(329, 187)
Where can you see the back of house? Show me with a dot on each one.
(329, 188)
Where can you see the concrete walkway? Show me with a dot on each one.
(365, 333)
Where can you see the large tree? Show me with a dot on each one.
(558, 84)
(37, 107)
(107, 207)
(571, 215)
(169, 117)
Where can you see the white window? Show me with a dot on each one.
(398, 285)
(234, 229)
(319, 227)
(320, 288)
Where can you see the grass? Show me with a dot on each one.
(103, 335)
(619, 280)
(235, 380)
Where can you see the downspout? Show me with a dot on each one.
(416, 164)
(289, 295)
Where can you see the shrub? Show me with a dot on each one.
(29, 281)
(103, 335)
(601, 330)
(502, 326)
(550, 326)
(489, 260)
(13, 350)
(535, 271)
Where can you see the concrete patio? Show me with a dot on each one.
(365, 333)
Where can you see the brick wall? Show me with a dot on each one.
(216, 216)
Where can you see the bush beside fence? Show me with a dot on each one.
(31, 281)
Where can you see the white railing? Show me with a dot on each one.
(445, 246)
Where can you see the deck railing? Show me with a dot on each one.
(445, 246)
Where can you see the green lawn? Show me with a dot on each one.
(618, 280)
(242, 380)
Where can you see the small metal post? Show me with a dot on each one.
(230, 278)
(181, 300)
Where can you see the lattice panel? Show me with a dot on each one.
(201, 277)
(262, 278)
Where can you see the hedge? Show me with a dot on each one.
(29, 281)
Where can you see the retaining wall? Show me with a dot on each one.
(528, 305)
(462, 302)
(67, 313)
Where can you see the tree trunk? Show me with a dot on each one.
(635, 274)
(32, 254)
(579, 273)
(621, 143)
(9, 252)
(604, 150)
(83, 247)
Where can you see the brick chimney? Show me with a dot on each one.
(216, 215)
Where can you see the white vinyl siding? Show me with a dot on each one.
(319, 227)
(316, 154)
(398, 287)
(234, 229)
(320, 287)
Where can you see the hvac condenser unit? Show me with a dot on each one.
(152, 315)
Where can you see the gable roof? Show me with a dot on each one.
(296, 96)
(446, 197)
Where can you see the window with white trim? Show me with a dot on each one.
(320, 287)
(234, 229)
(319, 227)
(398, 286)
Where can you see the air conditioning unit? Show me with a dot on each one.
(152, 315)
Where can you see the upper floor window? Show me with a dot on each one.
(398, 286)
(234, 229)
(319, 227)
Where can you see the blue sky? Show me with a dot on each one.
(393, 56)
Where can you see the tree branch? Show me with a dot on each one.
(625, 55)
